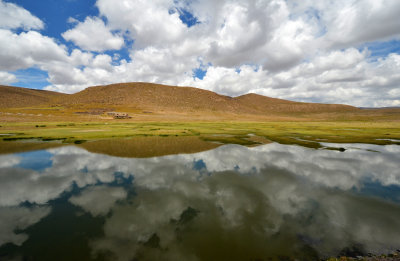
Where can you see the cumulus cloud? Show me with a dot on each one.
(13, 16)
(344, 76)
(343, 23)
(24, 50)
(148, 22)
(93, 35)
(231, 81)
(363, 22)
(7, 78)
(309, 51)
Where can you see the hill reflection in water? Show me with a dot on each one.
(229, 203)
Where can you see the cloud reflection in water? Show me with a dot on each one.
(231, 202)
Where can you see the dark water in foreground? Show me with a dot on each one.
(230, 203)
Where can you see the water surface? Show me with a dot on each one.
(229, 203)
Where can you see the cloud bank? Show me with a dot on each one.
(332, 51)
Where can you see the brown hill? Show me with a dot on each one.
(15, 97)
(160, 99)
(155, 97)
(266, 104)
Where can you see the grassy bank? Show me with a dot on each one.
(302, 133)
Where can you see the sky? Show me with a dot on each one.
(342, 51)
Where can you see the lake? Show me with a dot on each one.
(270, 202)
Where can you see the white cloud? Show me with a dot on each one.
(308, 51)
(344, 23)
(148, 22)
(72, 20)
(7, 78)
(335, 77)
(93, 35)
(147, 65)
(27, 49)
(230, 81)
(13, 16)
(364, 21)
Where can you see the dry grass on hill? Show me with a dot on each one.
(14, 97)
(157, 97)
(154, 102)
(264, 104)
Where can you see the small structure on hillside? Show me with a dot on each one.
(119, 115)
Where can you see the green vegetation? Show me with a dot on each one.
(308, 134)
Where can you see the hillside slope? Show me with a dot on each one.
(155, 97)
(266, 104)
(16, 97)
(147, 101)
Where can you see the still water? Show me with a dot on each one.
(229, 203)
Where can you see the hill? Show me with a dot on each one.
(147, 101)
(264, 104)
(155, 97)
(14, 97)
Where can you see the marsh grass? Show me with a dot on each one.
(308, 134)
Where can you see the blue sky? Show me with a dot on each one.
(55, 13)
(333, 52)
